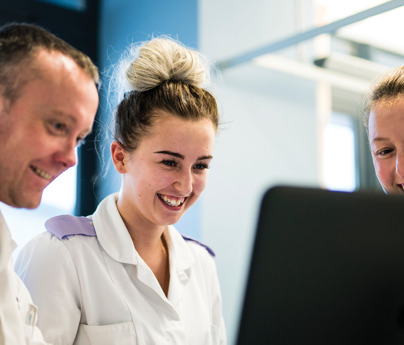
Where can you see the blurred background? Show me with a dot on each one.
(291, 80)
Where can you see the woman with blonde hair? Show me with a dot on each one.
(125, 275)
(384, 121)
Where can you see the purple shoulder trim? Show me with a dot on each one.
(64, 226)
(210, 251)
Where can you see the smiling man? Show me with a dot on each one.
(48, 102)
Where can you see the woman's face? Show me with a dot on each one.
(386, 137)
(166, 173)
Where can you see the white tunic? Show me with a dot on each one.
(17, 313)
(98, 290)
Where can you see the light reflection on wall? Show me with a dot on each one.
(78, 5)
(339, 156)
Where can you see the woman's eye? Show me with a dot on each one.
(384, 152)
(169, 163)
(201, 166)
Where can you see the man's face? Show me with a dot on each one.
(39, 131)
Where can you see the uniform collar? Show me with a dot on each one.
(179, 251)
(115, 239)
(112, 232)
(7, 245)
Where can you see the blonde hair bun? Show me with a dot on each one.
(163, 59)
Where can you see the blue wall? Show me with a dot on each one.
(126, 21)
(71, 4)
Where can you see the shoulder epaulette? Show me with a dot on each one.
(64, 226)
(189, 239)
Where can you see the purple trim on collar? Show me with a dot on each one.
(210, 251)
(66, 225)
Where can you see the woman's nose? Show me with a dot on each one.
(183, 182)
(400, 165)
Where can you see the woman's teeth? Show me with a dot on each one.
(171, 202)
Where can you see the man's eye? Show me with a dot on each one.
(58, 127)
(169, 163)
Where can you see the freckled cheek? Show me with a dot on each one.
(161, 180)
(383, 171)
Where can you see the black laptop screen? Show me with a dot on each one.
(326, 268)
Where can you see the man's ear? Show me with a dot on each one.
(119, 157)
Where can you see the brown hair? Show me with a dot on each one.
(165, 77)
(388, 88)
(20, 42)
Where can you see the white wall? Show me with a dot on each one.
(269, 134)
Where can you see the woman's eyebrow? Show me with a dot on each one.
(175, 154)
(379, 139)
(204, 157)
(178, 155)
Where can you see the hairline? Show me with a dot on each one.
(373, 103)
(25, 73)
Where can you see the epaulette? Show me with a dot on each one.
(189, 239)
(64, 226)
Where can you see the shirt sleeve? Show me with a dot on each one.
(29, 312)
(219, 331)
(47, 269)
(211, 285)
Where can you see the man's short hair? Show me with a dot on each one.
(19, 42)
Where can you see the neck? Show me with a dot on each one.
(151, 244)
(157, 258)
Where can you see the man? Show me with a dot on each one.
(48, 102)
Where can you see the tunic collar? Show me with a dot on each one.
(115, 239)
(7, 245)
